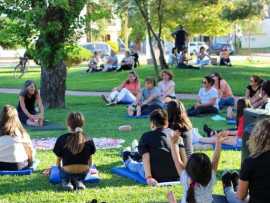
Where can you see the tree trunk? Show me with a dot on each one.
(153, 52)
(53, 85)
(162, 60)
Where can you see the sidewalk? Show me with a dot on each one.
(88, 94)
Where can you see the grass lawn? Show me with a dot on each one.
(187, 81)
(101, 122)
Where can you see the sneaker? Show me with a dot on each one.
(226, 179)
(79, 185)
(208, 130)
(66, 185)
(126, 155)
(104, 98)
(235, 180)
(134, 146)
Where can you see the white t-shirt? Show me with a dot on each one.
(12, 150)
(267, 107)
(165, 87)
(206, 96)
(202, 194)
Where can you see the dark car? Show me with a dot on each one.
(218, 47)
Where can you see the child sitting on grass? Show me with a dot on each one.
(157, 163)
(198, 176)
(149, 99)
(74, 153)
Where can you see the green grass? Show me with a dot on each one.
(101, 122)
(187, 81)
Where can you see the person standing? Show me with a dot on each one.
(180, 37)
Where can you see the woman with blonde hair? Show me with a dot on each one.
(74, 152)
(254, 178)
(16, 151)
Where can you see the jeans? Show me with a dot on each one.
(124, 96)
(203, 62)
(223, 102)
(136, 167)
(202, 110)
(71, 176)
(230, 196)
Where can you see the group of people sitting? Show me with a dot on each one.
(182, 58)
(110, 63)
(163, 154)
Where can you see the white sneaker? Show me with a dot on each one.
(134, 146)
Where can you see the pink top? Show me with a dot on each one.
(133, 87)
(224, 90)
(240, 127)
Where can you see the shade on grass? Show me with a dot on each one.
(187, 81)
(101, 121)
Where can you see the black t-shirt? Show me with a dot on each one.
(67, 157)
(257, 172)
(180, 37)
(162, 165)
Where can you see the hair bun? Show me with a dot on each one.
(78, 130)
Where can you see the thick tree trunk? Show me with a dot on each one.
(53, 85)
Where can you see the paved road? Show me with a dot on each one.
(88, 94)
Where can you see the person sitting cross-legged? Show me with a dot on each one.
(74, 153)
(154, 147)
(206, 100)
(148, 100)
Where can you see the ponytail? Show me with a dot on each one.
(191, 193)
(75, 142)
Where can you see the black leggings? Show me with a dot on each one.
(148, 109)
(5, 166)
(202, 110)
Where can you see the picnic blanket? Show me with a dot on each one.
(101, 143)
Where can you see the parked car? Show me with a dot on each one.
(194, 47)
(101, 47)
(217, 47)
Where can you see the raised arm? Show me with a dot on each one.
(221, 137)
(177, 153)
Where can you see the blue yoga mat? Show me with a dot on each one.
(124, 172)
(55, 177)
(28, 171)
(138, 117)
(231, 122)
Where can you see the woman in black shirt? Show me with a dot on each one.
(74, 153)
(255, 171)
(29, 97)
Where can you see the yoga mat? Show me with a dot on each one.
(218, 118)
(48, 126)
(28, 171)
(138, 117)
(124, 172)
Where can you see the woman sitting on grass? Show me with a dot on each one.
(127, 62)
(16, 150)
(203, 58)
(198, 176)
(74, 152)
(149, 99)
(29, 96)
(242, 104)
(157, 164)
(95, 64)
(126, 93)
(206, 100)
(253, 91)
(225, 57)
(254, 183)
(167, 86)
(179, 121)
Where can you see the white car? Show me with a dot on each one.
(194, 47)
(101, 47)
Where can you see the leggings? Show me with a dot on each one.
(202, 110)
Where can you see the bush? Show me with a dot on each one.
(75, 55)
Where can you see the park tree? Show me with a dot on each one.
(47, 26)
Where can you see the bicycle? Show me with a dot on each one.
(21, 68)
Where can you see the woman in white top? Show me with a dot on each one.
(16, 151)
(167, 86)
(198, 176)
(207, 101)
